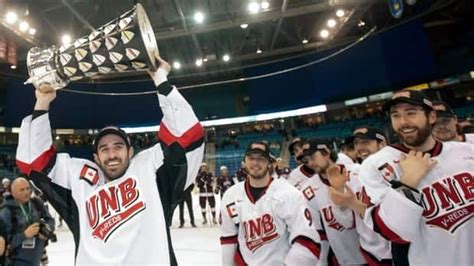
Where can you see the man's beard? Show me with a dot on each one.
(421, 136)
(112, 175)
(258, 176)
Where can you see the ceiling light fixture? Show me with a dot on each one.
(199, 17)
(253, 7)
(361, 23)
(259, 51)
(305, 41)
(226, 58)
(13, 66)
(177, 65)
(340, 13)
(244, 26)
(24, 26)
(66, 39)
(331, 23)
(11, 17)
(199, 62)
(32, 31)
(265, 5)
(324, 33)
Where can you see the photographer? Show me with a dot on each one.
(3, 244)
(28, 224)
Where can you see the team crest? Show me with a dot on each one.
(89, 174)
(449, 203)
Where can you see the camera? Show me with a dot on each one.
(46, 231)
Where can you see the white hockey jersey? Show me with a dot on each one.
(299, 175)
(469, 138)
(375, 249)
(117, 222)
(268, 231)
(441, 231)
(341, 235)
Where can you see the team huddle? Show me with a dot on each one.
(405, 203)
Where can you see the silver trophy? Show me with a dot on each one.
(125, 44)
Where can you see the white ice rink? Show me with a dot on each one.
(193, 246)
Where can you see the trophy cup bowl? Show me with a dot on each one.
(125, 44)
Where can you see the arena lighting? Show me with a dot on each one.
(11, 17)
(64, 131)
(253, 7)
(380, 96)
(304, 41)
(340, 13)
(199, 62)
(199, 17)
(244, 26)
(23, 26)
(226, 58)
(356, 101)
(265, 5)
(66, 39)
(239, 120)
(177, 65)
(324, 33)
(331, 23)
(259, 51)
(32, 31)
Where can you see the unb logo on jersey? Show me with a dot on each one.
(113, 206)
(449, 203)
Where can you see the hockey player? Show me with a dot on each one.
(446, 126)
(224, 181)
(347, 154)
(302, 172)
(351, 201)
(344, 247)
(422, 188)
(117, 204)
(266, 221)
(205, 182)
(281, 170)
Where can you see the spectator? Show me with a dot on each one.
(5, 192)
(28, 223)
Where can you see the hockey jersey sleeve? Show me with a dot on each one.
(305, 242)
(35, 150)
(396, 218)
(229, 229)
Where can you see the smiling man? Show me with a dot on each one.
(266, 221)
(446, 126)
(116, 205)
(421, 188)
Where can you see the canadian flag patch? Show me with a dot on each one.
(89, 174)
(308, 193)
(231, 210)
